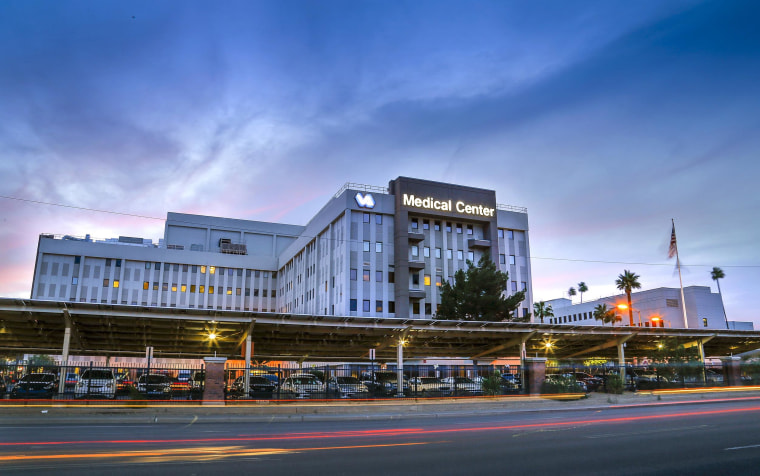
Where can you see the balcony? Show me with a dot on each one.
(416, 294)
(475, 243)
(415, 237)
(416, 265)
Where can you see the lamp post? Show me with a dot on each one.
(624, 307)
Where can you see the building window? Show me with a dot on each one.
(264, 293)
(365, 275)
(378, 219)
(460, 255)
(471, 256)
(378, 247)
(438, 253)
(203, 269)
(438, 279)
(118, 263)
(500, 232)
(165, 287)
(378, 306)
(415, 251)
(105, 283)
(116, 283)
(704, 322)
(147, 265)
(415, 279)
(379, 276)
(255, 293)
(211, 289)
(238, 291)
(510, 234)
(427, 280)
(229, 291)
(415, 224)
(511, 259)
(437, 225)
(514, 285)
(157, 266)
(247, 292)
(146, 285)
(184, 268)
(502, 259)
(352, 305)
(352, 273)
(392, 307)
(365, 305)
(425, 224)
(426, 252)
(108, 262)
(469, 229)
(155, 285)
(449, 254)
(74, 280)
(428, 308)
(416, 307)
(366, 246)
(365, 218)
(230, 271)
(192, 288)
(523, 286)
(212, 269)
(459, 228)
(391, 277)
(202, 289)
(174, 288)
(77, 259)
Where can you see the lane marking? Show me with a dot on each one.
(741, 447)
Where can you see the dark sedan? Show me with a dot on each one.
(258, 387)
(36, 386)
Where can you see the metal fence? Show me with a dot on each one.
(95, 382)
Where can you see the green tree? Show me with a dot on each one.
(542, 310)
(582, 288)
(571, 292)
(478, 294)
(717, 274)
(605, 314)
(626, 282)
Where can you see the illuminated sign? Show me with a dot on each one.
(365, 201)
(432, 203)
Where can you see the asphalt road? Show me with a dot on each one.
(694, 439)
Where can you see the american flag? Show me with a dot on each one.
(673, 250)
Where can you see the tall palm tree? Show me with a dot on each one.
(626, 282)
(605, 314)
(582, 288)
(542, 310)
(717, 274)
(571, 293)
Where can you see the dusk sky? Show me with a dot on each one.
(604, 118)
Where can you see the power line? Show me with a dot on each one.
(574, 260)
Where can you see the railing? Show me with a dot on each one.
(511, 208)
(361, 187)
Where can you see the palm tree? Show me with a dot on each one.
(541, 310)
(626, 282)
(605, 314)
(582, 288)
(571, 293)
(717, 274)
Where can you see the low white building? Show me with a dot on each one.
(660, 307)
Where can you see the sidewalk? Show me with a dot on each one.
(19, 413)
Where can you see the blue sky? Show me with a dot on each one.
(605, 119)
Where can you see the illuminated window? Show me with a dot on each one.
(146, 285)
(116, 283)
(211, 289)
(229, 291)
(378, 306)
(192, 288)
(365, 275)
(438, 279)
(183, 288)
(202, 289)
(155, 285)
(203, 270)
(212, 269)
(427, 280)
(174, 288)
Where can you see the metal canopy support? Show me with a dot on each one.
(247, 377)
(621, 356)
(65, 353)
(606, 345)
(400, 368)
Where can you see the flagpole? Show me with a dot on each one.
(678, 265)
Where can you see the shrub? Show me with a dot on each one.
(492, 384)
(614, 384)
(561, 384)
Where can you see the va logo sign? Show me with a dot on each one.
(365, 201)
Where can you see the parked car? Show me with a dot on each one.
(303, 386)
(347, 387)
(70, 382)
(648, 379)
(428, 387)
(3, 386)
(155, 386)
(258, 387)
(96, 383)
(592, 383)
(384, 384)
(463, 386)
(37, 385)
(510, 381)
(197, 384)
(123, 383)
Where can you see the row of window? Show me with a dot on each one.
(200, 288)
(352, 306)
(415, 225)
(353, 275)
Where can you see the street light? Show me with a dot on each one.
(624, 307)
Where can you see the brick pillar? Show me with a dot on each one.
(535, 373)
(732, 374)
(213, 392)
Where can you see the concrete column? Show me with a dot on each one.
(535, 374)
(213, 393)
(732, 371)
(621, 361)
(247, 377)
(400, 368)
(64, 357)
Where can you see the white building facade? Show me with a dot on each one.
(660, 307)
(370, 251)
